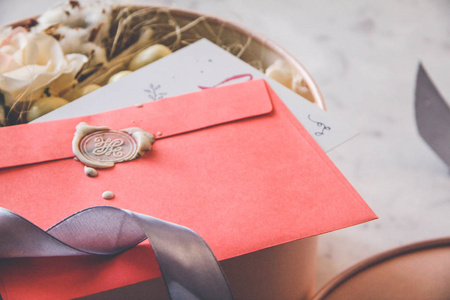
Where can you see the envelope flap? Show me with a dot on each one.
(46, 141)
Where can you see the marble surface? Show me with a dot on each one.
(364, 57)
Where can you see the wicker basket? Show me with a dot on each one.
(258, 47)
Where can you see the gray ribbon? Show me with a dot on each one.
(188, 266)
(432, 116)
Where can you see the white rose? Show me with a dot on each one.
(32, 62)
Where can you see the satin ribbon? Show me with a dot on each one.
(188, 266)
(432, 116)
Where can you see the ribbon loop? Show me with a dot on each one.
(188, 266)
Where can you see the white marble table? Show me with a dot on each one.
(364, 56)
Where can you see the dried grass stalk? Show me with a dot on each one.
(129, 24)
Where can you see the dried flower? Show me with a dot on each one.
(79, 26)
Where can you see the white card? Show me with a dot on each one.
(200, 65)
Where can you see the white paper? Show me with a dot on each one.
(200, 65)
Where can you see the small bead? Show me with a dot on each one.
(108, 195)
(91, 172)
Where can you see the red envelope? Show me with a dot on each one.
(231, 163)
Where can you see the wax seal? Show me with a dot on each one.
(100, 147)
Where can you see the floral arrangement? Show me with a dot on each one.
(75, 48)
